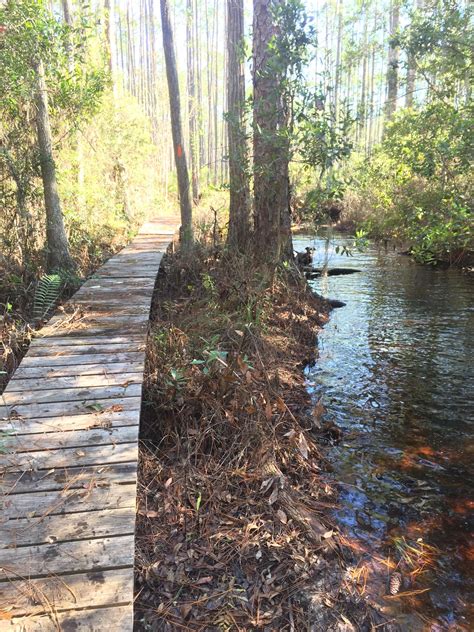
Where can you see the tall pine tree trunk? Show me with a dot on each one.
(59, 257)
(109, 17)
(239, 208)
(176, 127)
(192, 102)
(337, 79)
(271, 190)
(67, 11)
(411, 72)
(393, 61)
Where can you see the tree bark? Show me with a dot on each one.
(192, 102)
(59, 257)
(67, 11)
(393, 61)
(338, 57)
(176, 127)
(109, 17)
(363, 98)
(239, 207)
(270, 144)
(411, 72)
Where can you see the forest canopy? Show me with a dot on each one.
(374, 100)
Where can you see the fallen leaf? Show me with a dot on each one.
(303, 446)
(204, 580)
(282, 517)
(149, 513)
(274, 496)
(280, 404)
(268, 411)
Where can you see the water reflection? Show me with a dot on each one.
(395, 372)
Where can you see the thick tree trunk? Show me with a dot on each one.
(176, 127)
(393, 61)
(270, 144)
(58, 247)
(239, 208)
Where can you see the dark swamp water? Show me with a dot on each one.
(395, 373)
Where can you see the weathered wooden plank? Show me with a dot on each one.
(45, 372)
(72, 439)
(87, 321)
(141, 287)
(52, 362)
(112, 416)
(61, 409)
(103, 309)
(85, 349)
(114, 619)
(14, 399)
(133, 259)
(90, 455)
(77, 556)
(86, 340)
(68, 526)
(118, 272)
(68, 477)
(109, 295)
(88, 590)
(132, 270)
(104, 378)
(39, 504)
(104, 329)
(130, 285)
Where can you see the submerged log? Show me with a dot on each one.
(335, 303)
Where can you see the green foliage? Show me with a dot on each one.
(105, 157)
(290, 48)
(49, 290)
(324, 135)
(47, 294)
(75, 85)
(419, 197)
(441, 40)
(418, 185)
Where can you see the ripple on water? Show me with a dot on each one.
(395, 372)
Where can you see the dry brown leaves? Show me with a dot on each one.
(231, 502)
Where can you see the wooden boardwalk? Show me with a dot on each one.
(68, 477)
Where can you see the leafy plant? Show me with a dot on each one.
(47, 295)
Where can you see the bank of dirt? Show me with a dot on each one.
(233, 529)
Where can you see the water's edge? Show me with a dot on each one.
(394, 373)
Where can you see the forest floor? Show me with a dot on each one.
(234, 529)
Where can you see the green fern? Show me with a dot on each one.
(47, 294)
